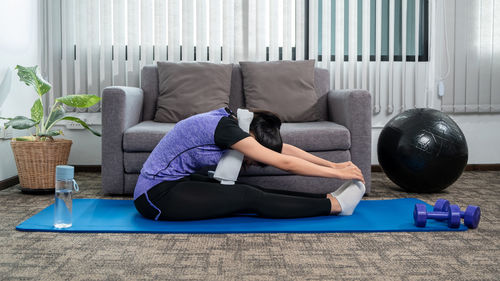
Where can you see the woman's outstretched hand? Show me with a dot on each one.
(341, 165)
(351, 172)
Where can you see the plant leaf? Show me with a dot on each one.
(79, 121)
(51, 134)
(29, 76)
(26, 138)
(37, 111)
(56, 115)
(20, 123)
(79, 100)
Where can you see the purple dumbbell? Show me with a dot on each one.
(420, 215)
(471, 216)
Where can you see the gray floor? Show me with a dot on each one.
(469, 255)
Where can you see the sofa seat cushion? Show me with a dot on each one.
(309, 136)
(316, 136)
(133, 162)
(144, 136)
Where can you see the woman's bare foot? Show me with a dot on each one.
(336, 209)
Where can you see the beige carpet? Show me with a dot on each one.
(469, 255)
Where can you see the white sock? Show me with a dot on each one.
(349, 196)
(342, 188)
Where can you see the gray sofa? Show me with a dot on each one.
(129, 134)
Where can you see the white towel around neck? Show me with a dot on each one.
(229, 165)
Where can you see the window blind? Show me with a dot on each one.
(98, 43)
(472, 68)
(377, 45)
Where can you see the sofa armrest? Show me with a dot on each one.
(352, 109)
(121, 109)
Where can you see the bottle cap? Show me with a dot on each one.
(64, 172)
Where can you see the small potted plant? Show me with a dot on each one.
(38, 155)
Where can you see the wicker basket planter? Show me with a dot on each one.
(36, 162)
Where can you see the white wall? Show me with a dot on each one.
(19, 44)
(86, 148)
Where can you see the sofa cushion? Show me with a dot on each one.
(145, 135)
(283, 87)
(190, 88)
(309, 136)
(133, 162)
(316, 136)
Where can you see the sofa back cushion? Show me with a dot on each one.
(150, 85)
(190, 88)
(283, 87)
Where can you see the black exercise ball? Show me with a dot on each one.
(422, 150)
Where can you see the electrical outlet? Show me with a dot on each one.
(5, 134)
(8, 134)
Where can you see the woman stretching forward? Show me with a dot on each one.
(168, 187)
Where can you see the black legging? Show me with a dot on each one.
(199, 197)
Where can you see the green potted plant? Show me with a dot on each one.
(38, 155)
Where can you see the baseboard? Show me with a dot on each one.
(88, 168)
(483, 167)
(470, 167)
(9, 182)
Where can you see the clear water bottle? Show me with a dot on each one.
(64, 192)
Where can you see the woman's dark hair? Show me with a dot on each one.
(265, 127)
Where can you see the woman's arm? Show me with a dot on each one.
(289, 149)
(255, 151)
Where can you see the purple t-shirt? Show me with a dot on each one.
(188, 147)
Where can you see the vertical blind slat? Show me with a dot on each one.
(460, 55)
(273, 31)
(390, 78)
(147, 31)
(339, 47)
(353, 44)
(93, 85)
(485, 55)
(215, 31)
(449, 28)
(239, 24)
(51, 51)
(365, 44)
(416, 102)
(404, 11)
(299, 29)
(81, 48)
(133, 41)
(106, 44)
(201, 30)
(313, 29)
(326, 29)
(160, 40)
(378, 54)
(173, 31)
(228, 32)
(495, 62)
(188, 30)
(287, 30)
(261, 19)
(472, 83)
(251, 29)
(68, 61)
(119, 42)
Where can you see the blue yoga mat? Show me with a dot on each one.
(99, 215)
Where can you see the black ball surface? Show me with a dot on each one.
(422, 150)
